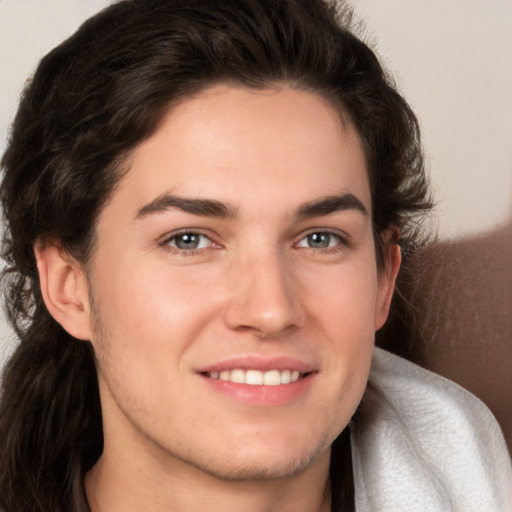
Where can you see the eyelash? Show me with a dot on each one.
(341, 244)
(186, 252)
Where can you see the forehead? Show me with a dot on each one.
(274, 147)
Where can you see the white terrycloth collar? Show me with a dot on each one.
(424, 444)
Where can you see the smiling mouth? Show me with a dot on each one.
(257, 377)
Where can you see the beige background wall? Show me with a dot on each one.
(452, 59)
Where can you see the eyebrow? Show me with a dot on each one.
(331, 204)
(203, 207)
(214, 208)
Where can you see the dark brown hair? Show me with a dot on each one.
(92, 100)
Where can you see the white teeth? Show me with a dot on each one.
(286, 377)
(256, 377)
(237, 376)
(272, 378)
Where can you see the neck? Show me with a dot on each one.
(128, 488)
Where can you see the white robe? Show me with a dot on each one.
(424, 444)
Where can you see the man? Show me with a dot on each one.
(204, 204)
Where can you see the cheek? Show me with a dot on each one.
(151, 317)
(344, 298)
(145, 323)
(342, 312)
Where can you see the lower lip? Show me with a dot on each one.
(263, 396)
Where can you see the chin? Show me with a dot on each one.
(253, 463)
(244, 471)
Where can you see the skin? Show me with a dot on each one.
(158, 314)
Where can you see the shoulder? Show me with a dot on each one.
(421, 442)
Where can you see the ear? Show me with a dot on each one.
(64, 289)
(387, 275)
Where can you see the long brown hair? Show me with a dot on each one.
(91, 101)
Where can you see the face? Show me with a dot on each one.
(234, 286)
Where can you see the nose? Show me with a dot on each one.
(263, 297)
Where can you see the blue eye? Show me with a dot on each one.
(320, 240)
(189, 241)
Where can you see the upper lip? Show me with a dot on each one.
(259, 363)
